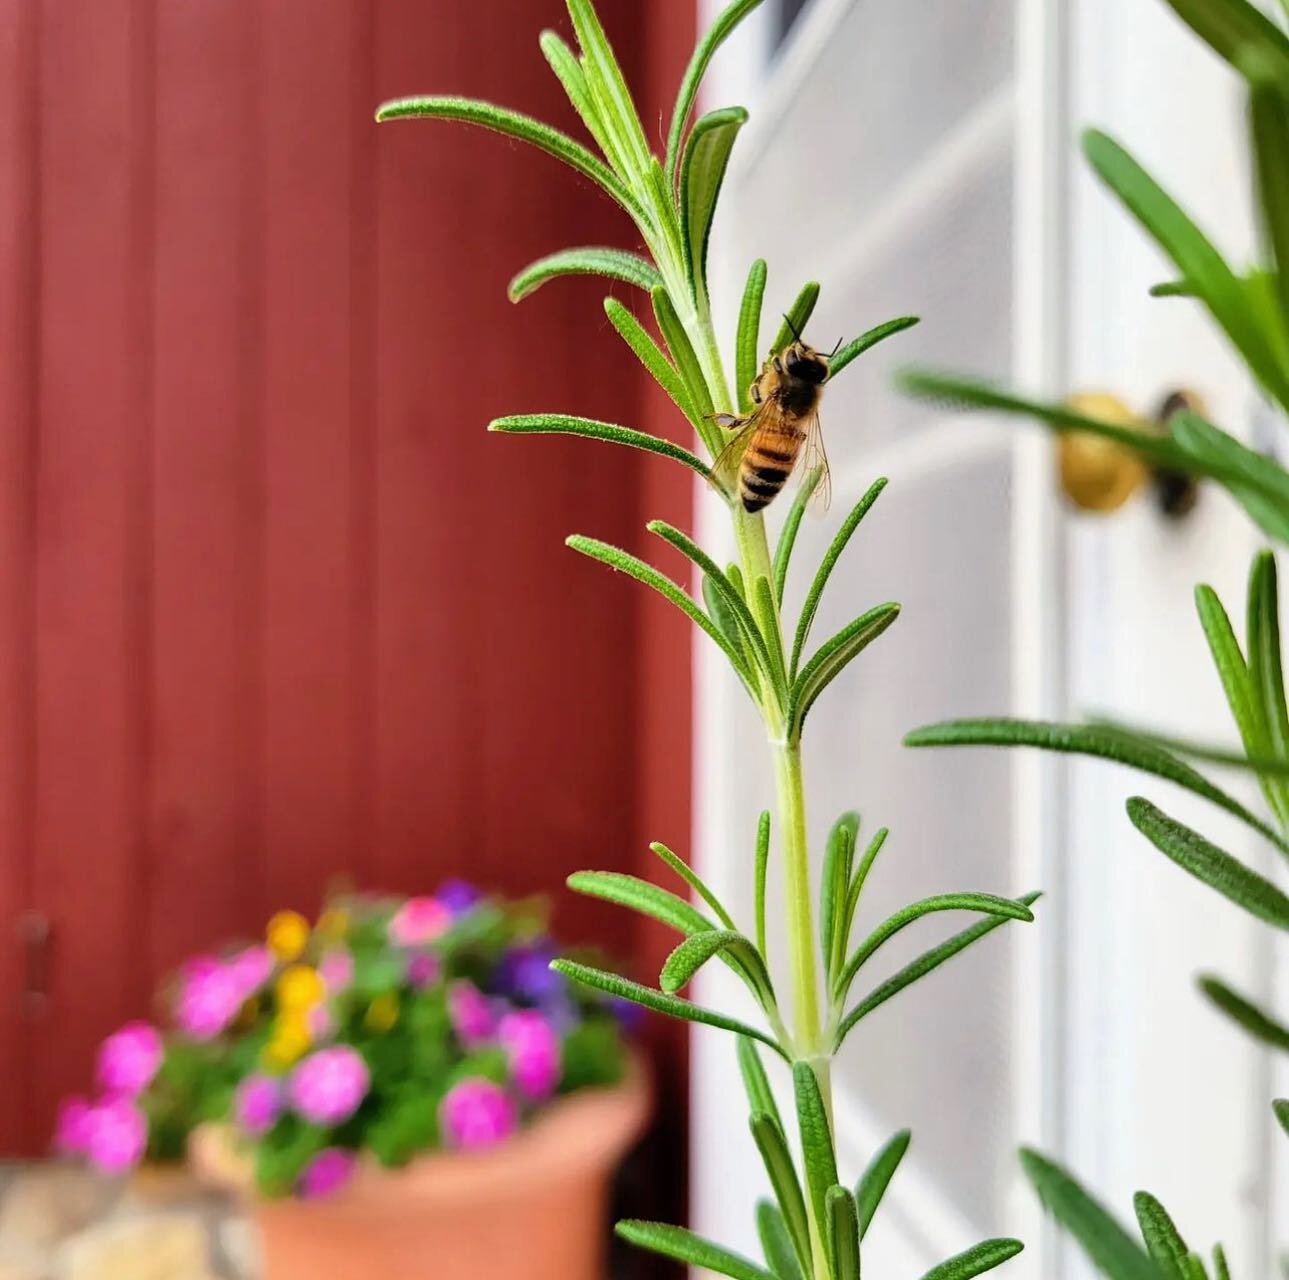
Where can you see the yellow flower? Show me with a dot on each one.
(333, 923)
(381, 1014)
(287, 934)
(289, 1041)
(300, 987)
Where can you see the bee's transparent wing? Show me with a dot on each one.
(816, 459)
(725, 468)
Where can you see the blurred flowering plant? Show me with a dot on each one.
(389, 1026)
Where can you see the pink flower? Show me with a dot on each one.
(327, 1086)
(327, 1171)
(337, 970)
(423, 969)
(419, 920)
(471, 1016)
(257, 1104)
(117, 1135)
(250, 969)
(321, 1022)
(533, 1051)
(209, 999)
(477, 1113)
(129, 1059)
(72, 1128)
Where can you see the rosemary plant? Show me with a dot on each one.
(814, 1226)
(1252, 310)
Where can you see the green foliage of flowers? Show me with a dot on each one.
(1251, 308)
(814, 1227)
(390, 1027)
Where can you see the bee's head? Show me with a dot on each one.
(805, 363)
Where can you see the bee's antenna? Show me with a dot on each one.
(836, 348)
(787, 319)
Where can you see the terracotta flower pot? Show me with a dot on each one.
(533, 1208)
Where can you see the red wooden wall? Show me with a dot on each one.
(274, 608)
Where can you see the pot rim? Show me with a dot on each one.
(588, 1129)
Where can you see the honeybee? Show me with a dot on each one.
(782, 427)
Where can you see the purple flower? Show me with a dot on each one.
(533, 1051)
(250, 969)
(209, 999)
(477, 1113)
(72, 1128)
(526, 973)
(458, 896)
(419, 920)
(629, 1015)
(337, 970)
(117, 1135)
(327, 1086)
(257, 1104)
(470, 1013)
(129, 1059)
(327, 1171)
(423, 969)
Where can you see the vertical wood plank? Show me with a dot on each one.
(206, 478)
(307, 407)
(19, 207)
(91, 588)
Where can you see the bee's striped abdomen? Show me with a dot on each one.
(766, 466)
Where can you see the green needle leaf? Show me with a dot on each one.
(514, 125)
(690, 956)
(716, 36)
(747, 347)
(615, 264)
(1265, 673)
(1199, 263)
(1258, 1024)
(843, 1233)
(682, 352)
(776, 1243)
(685, 1246)
(565, 424)
(816, 1139)
(1220, 1270)
(640, 895)
(783, 1178)
(788, 534)
(1108, 1246)
(857, 346)
(707, 156)
(1206, 862)
(1225, 648)
(832, 658)
(1237, 32)
(877, 1177)
(760, 1097)
(798, 317)
(975, 1261)
(824, 572)
(986, 903)
(647, 351)
(693, 880)
(839, 864)
(732, 600)
(1104, 742)
(563, 62)
(1269, 124)
(1163, 1241)
(762, 865)
(919, 968)
(636, 568)
(861, 875)
(659, 1001)
(607, 86)
(1280, 1108)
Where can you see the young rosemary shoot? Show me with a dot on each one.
(813, 1229)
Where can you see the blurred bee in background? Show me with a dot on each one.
(782, 427)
